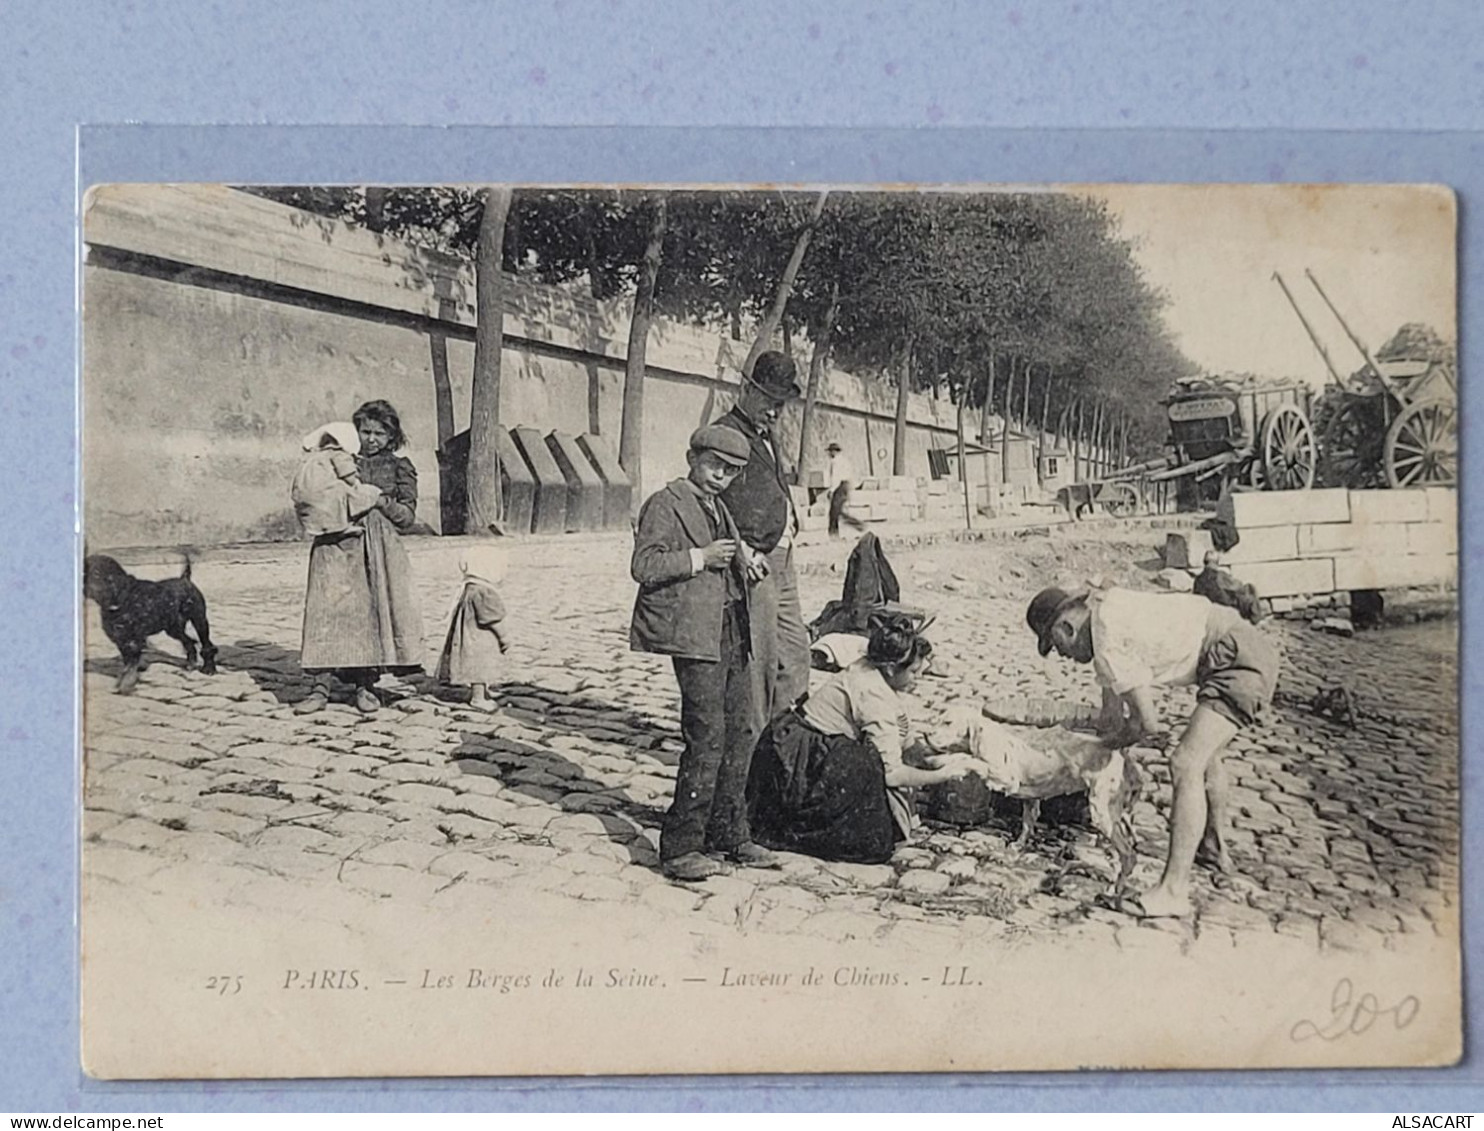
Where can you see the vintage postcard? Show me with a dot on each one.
(685, 629)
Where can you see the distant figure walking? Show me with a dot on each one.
(840, 481)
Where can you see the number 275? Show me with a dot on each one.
(225, 984)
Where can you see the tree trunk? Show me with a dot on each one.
(899, 436)
(1041, 432)
(1098, 449)
(963, 467)
(1025, 403)
(631, 431)
(1005, 424)
(984, 434)
(817, 361)
(376, 207)
(485, 498)
(785, 288)
(1077, 468)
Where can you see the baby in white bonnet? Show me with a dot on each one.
(327, 492)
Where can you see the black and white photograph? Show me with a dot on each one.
(636, 629)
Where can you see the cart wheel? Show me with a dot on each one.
(1287, 450)
(1422, 445)
(1120, 499)
(1350, 449)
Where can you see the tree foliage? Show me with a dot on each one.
(1040, 284)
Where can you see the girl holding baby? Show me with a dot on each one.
(361, 618)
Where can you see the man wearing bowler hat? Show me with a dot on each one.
(759, 501)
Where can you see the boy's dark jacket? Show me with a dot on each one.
(678, 613)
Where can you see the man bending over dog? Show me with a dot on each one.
(1138, 641)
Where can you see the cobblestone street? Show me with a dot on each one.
(1345, 836)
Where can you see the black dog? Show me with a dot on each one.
(134, 610)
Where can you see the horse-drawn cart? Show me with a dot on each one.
(1222, 434)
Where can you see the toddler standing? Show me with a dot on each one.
(472, 653)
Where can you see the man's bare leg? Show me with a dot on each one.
(1208, 732)
(1213, 852)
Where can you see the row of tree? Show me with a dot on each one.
(1025, 304)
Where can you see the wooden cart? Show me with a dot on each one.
(1396, 421)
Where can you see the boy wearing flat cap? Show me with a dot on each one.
(1138, 641)
(692, 569)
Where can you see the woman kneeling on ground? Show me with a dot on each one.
(827, 778)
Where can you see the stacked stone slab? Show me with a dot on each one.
(890, 499)
(943, 501)
(1306, 549)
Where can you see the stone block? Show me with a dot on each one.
(1187, 549)
(618, 492)
(1330, 538)
(902, 483)
(1288, 579)
(1383, 506)
(1247, 510)
(585, 500)
(1264, 544)
(549, 513)
(1394, 571)
(1431, 538)
(517, 482)
(1178, 580)
(1442, 505)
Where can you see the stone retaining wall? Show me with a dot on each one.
(219, 327)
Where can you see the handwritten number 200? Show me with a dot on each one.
(225, 984)
(1351, 1016)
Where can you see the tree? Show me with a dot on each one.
(771, 320)
(631, 431)
(818, 359)
(912, 289)
(485, 502)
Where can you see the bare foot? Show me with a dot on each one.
(1160, 904)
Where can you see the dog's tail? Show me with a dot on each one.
(185, 573)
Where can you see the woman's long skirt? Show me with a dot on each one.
(359, 607)
(819, 794)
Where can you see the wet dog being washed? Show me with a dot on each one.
(1054, 762)
(134, 610)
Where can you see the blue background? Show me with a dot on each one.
(1078, 91)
